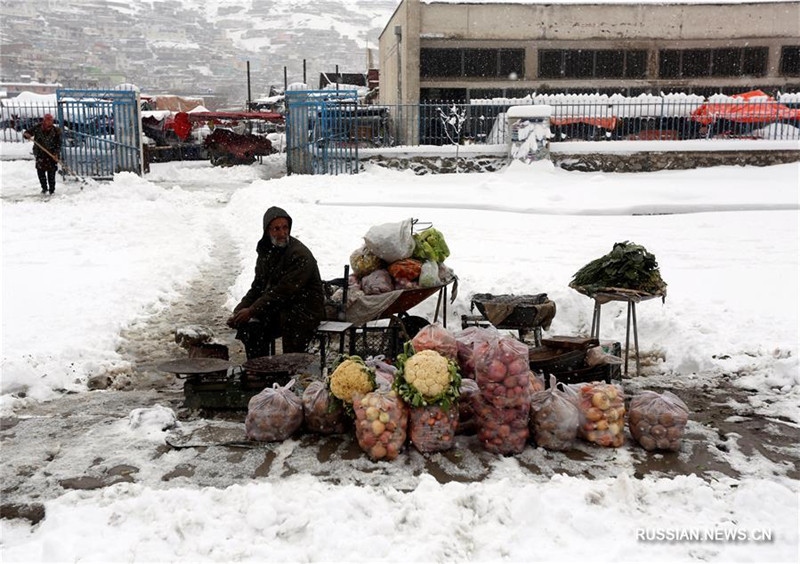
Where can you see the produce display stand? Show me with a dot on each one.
(359, 323)
(218, 385)
(526, 313)
(631, 297)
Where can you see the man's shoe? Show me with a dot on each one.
(51, 192)
(44, 192)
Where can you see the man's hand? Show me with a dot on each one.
(27, 136)
(240, 317)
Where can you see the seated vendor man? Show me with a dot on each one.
(286, 297)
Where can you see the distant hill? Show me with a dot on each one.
(190, 47)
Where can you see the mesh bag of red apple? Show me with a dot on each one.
(322, 413)
(273, 414)
(657, 421)
(381, 423)
(601, 409)
(554, 418)
(503, 404)
(433, 428)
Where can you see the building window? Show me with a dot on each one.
(473, 63)
(699, 63)
(480, 63)
(755, 61)
(512, 62)
(588, 63)
(550, 63)
(440, 62)
(790, 60)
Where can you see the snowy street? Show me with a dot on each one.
(97, 278)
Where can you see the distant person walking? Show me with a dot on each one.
(46, 149)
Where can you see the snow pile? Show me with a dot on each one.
(301, 519)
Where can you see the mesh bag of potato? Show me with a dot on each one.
(601, 408)
(657, 421)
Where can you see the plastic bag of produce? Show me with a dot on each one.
(403, 284)
(657, 420)
(596, 356)
(429, 275)
(378, 282)
(384, 372)
(391, 241)
(437, 338)
(466, 340)
(502, 371)
(273, 414)
(430, 245)
(433, 428)
(601, 408)
(381, 424)
(322, 414)
(537, 381)
(501, 430)
(466, 414)
(554, 419)
(406, 269)
(364, 262)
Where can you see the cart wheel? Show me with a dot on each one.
(410, 325)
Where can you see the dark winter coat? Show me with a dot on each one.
(50, 140)
(286, 283)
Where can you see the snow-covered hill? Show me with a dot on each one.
(192, 47)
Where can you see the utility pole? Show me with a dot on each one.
(249, 96)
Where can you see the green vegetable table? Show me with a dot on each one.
(631, 297)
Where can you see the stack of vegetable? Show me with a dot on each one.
(429, 382)
(350, 377)
(437, 338)
(601, 408)
(628, 266)
(392, 258)
(554, 418)
(381, 421)
(656, 420)
(503, 405)
(323, 414)
(273, 414)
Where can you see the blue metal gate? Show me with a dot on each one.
(322, 132)
(101, 131)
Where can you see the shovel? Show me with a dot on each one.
(64, 167)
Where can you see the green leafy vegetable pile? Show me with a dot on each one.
(627, 266)
(430, 245)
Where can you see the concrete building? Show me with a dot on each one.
(436, 49)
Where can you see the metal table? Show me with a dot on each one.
(631, 297)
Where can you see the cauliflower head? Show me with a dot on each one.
(429, 372)
(351, 377)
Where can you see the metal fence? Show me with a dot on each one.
(17, 116)
(483, 121)
(446, 122)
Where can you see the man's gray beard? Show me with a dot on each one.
(276, 243)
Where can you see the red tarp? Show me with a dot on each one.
(605, 123)
(765, 110)
(205, 116)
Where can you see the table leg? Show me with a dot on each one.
(595, 331)
(635, 336)
(322, 346)
(627, 337)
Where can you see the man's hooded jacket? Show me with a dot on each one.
(287, 284)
